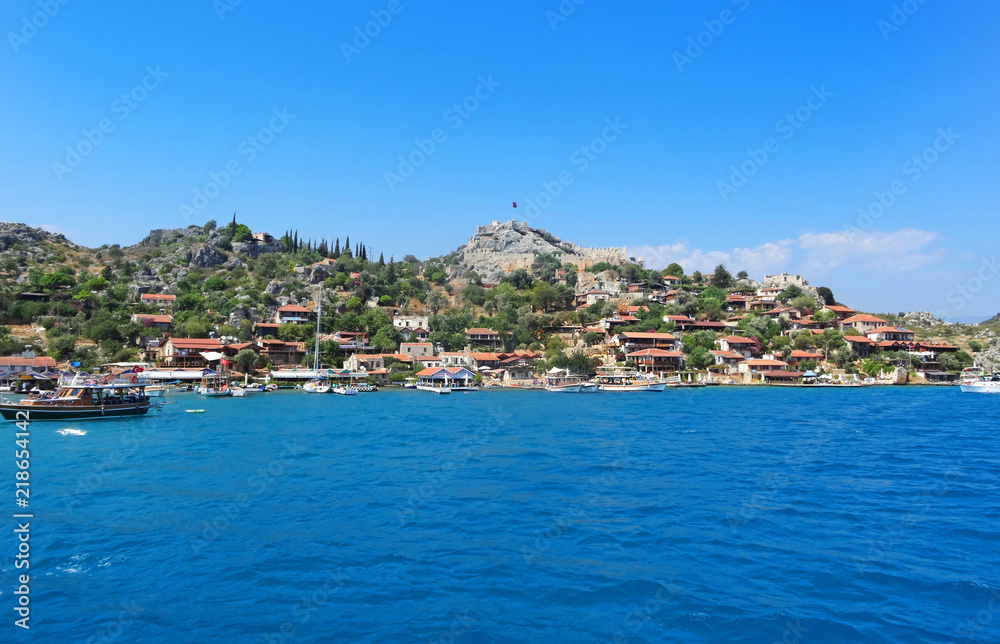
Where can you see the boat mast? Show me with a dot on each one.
(319, 318)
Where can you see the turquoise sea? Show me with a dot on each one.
(709, 515)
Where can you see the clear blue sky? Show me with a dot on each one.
(879, 97)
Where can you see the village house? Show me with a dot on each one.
(232, 349)
(417, 350)
(455, 359)
(727, 360)
(746, 347)
(862, 322)
(292, 314)
(402, 322)
(282, 353)
(754, 370)
(480, 360)
(890, 334)
(265, 329)
(796, 357)
(517, 369)
(656, 360)
(479, 337)
(161, 322)
(630, 341)
(594, 296)
(671, 280)
(362, 362)
(26, 363)
(842, 312)
(164, 301)
(861, 345)
(186, 352)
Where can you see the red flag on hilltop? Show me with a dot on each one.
(515, 204)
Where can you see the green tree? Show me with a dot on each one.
(700, 358)
(826, 295)
(721, 277)
(674, 270)
(543, 295)
(246, 360)
(975, 346)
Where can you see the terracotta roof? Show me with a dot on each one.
(158, 297)
(293, 308)
(416, 344)
(762, 362)
(735, 339)
(889, 329)
(483, 356)
(648, 336)
(728, 354)
(154, 318)
(480, 331)
(804, 354)
(195, 343)
(671, 277)
(839, 309)
(858, 338)
(679, 318)
(43, 361)
(656, 353)
(863, 317)
(402, 357)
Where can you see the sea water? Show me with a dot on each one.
(695, 515)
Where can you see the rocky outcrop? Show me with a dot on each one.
(162, 236)
(498, 248)
(255, 250)
(145, 280)
(922, 318)
(207, 257)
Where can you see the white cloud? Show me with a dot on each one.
(874, 250)
(809, 254)
(770, 257)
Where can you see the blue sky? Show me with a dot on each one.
(746, 132)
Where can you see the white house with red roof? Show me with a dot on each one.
(862, 322)
(293, 314)
(746, 347)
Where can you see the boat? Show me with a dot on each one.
(213, 384)
(984, 385)
(562, 381)
(156, 391)
(109, 398)
(437, 389)
(625, 379)
(195, 411)
(411, 383)
(237, 392)
(317, 386)
(345, 390)
(366, 388)
(970, 375)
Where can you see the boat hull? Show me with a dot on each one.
(980, 389)
(565, 389)
(435, 390)
(39, 412)
(649, 387)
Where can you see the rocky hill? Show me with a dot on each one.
(500, 247)
(993, 320)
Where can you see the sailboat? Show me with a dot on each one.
(319, 384)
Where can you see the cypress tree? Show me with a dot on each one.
(381, 259)
(336, 248)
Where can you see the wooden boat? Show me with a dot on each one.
(214, 385)
(411, 383)
(123, 396)
(561, 381)
(625, 379)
